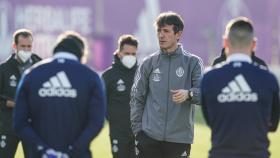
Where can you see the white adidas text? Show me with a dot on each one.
(58, 86)
(238, 97)
(58, 92)
(237, 90)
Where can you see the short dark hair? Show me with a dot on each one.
(71, 42)
(170, 18)
(127, 39)
(240, 32)
(22, 32)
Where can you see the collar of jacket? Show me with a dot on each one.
(239, 57)
(223, 53)
(12, 59)
(14, 63)
(65, 55)
(34, 59)
(118, 64)
(178, 51)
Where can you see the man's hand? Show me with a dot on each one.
(51, 153)
(180, 95)
(10, 103)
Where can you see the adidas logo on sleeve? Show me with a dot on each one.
(58, 86)
(237, 90)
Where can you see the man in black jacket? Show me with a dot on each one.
(118, 81)
(10, 74)
(256, 60)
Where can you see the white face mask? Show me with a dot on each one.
(128, 61)
(24, 55)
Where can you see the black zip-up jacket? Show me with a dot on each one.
(256, 60)
(118, 82)
(9, 78)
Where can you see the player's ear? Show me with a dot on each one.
(178, 35)
(118, 53)
(225, 42)
(254, 44)
(14, 46)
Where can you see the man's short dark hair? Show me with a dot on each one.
(71, 42)
(127, 39)
(22, 32)
(170, 18)
(240, 32)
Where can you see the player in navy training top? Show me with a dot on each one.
(243, 106)
(60, 103)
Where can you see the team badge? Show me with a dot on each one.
(3, 141)
(156, 75)
(120, 85)
(13, 81)
(180, 71)
(115, 147)
(136, 148)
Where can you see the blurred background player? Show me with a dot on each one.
(118, 81)
(256, 60)
(10, 74)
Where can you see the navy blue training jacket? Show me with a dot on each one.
(240, 103)
(60, 104)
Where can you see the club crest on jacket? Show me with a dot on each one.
(180, 71)
(120, 85)
(13, 81)
(156, 76)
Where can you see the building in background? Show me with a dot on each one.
(102, 21)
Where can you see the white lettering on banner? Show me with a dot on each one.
(45, 44)
(5, 11)
(80, 19)
(54, 19)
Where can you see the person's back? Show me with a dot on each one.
(58, 89)
(243, 106)
(238, 109)
(60, 105)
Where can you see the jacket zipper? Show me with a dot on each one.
(168, 93)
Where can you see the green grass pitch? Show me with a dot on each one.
(100, 147)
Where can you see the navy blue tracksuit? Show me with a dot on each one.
(240, 103)
(60, 104)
